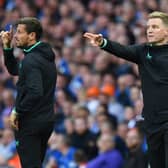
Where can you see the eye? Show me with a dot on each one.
(17, 31)
(155, 26)
(148, 27)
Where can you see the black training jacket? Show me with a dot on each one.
(152, 62)
(36, 83)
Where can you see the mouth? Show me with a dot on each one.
(150, 36)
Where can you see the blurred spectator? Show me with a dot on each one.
(136, 156)
(129, 116)
(123, 92)
(7, 145)
(63, 153)
(83, 138)
(4, 163)
(122, 130)
(135, 94)
(102, 115)
(51, 163)
(83, 112)
(114, 107)
(80, 159)
(107, 128)
(14, 161)
(92, 101)
(8, 99)
(69, 126)
(108, 156)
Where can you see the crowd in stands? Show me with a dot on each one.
(98, 99)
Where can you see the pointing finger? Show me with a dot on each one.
(1, 33)
(11, 31)
(89, 35)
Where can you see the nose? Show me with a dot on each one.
(149, 30)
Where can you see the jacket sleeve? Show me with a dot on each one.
(10, 61)
(34, 86)
(126, 52)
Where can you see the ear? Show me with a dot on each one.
(32, 36)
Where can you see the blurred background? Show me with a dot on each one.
(98, 99)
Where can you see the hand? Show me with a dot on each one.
(14, 119)
(51, 163)
(95, 39)
(6, 37)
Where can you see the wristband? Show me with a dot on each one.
(14, 111)
(104, 43)
(7, 49)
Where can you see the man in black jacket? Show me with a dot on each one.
(152, 61)
(33, 115)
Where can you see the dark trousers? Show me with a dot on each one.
(158, 149)
(31, 143)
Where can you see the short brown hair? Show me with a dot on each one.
(161, 15)
(32, 25)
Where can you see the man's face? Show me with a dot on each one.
(80, 125)
(157, 31)
(133, 139)
(105, 142)
(21, 36)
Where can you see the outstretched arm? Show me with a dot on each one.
(126, 52)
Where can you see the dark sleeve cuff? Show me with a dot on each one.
(104, 43)
(17, 110)
(7, 51)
